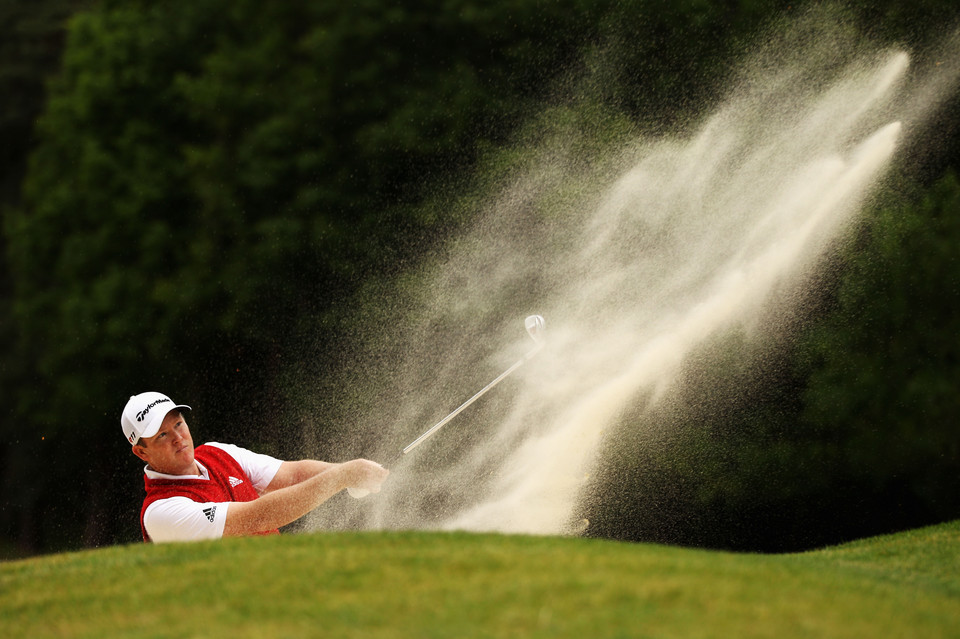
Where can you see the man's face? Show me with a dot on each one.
(170, 451)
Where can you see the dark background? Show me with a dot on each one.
(194, 192)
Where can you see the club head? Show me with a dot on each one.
(535, 325)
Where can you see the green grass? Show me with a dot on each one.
(421, 585)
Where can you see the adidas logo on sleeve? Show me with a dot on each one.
(211, 512)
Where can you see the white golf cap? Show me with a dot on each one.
(144, 413)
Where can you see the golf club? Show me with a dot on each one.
(535, 325)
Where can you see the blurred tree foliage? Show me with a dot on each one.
(210, 181)
(883, 368)
(31, 40)
(30, 46)
(844, 427)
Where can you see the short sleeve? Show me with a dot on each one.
(260, 468)
(182, 519)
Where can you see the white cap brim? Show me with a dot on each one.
(156, 421)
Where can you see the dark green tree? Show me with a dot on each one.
(212, 178)
(885, 366)
(842, 428)
(31, 42)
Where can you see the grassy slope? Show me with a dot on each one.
(460, 585)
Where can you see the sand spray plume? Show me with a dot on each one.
(636, 258)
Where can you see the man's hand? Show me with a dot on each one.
(364, 474)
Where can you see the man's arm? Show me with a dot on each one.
(294, 472)
(283, 505)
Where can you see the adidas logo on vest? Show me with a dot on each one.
(234, 482)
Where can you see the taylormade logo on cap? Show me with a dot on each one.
(144, 413)
(146, 410)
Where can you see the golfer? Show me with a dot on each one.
(219, 490)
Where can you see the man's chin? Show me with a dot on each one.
(185, 463)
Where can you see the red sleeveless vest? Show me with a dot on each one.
(221, 467)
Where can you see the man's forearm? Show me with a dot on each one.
(294, 472)
(285, 505)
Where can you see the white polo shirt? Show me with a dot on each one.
(182, 519)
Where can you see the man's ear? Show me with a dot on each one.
(141, 452)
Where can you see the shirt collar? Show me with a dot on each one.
(152, 474)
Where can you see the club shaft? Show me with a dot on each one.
(419, 440)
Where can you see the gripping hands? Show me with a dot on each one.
(363, 477)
